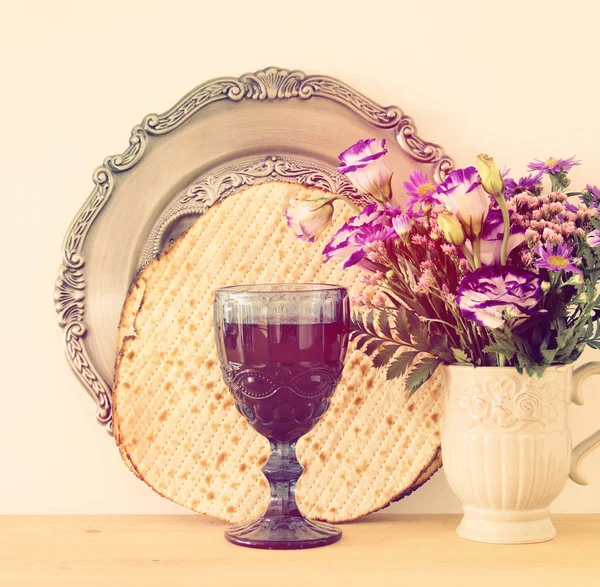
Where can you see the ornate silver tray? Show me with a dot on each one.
(226, 134)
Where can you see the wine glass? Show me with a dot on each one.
(282, 349)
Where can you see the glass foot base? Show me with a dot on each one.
(283, 533)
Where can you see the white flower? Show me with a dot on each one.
(463, 195)
(363, 164)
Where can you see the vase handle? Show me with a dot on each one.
(589, 444)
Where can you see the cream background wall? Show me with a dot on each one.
(518, 79)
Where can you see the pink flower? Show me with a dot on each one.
(376, 252)
(552, 236)
(363, 164)
(450, 250)
(359, 301)
(448, 295)
(420, 240)
(526, 258)
(426, 282)
(532, 236)
(371, 278)
(379, 300)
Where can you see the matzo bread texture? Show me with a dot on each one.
(174, 419)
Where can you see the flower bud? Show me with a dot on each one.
(402, 225)
(490, 175)
(546, 286)
(511, 313)
(575, 279)
(452, 228)
(309, 218)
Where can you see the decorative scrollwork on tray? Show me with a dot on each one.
(422, 151)
(326, 87)
(271, 83)
(210, 189)
(69, 297)
(126, 160)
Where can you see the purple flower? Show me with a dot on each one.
(364, 166)
(354, 240)
(590, 197)
(557, 258)
(525, 184)
(592, 194)
(492, 235)
(594, 190)
(392, 211)
(491, 295)
(463, 195)
(570, 207)
(593, 238)
(309, 218)
(553, 165)
(420, 192)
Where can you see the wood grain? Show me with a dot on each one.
(190, 550)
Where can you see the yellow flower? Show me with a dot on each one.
(452, 228)
(490, 175)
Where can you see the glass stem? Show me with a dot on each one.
(282, 472)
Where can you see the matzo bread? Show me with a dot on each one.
(174, 419)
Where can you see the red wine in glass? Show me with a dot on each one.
(282, 350)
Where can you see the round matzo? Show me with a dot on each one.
(175, 422)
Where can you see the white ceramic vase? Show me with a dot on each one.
(507, 450)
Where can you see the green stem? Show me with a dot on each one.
(441, 322)
(558, 182)
(468, 256)
(477, 252)
(473, 346)
(382, 197)
(506, 219)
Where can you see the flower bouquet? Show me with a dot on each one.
(496, 279)
(478, 269)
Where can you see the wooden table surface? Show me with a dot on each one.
(415, 551)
